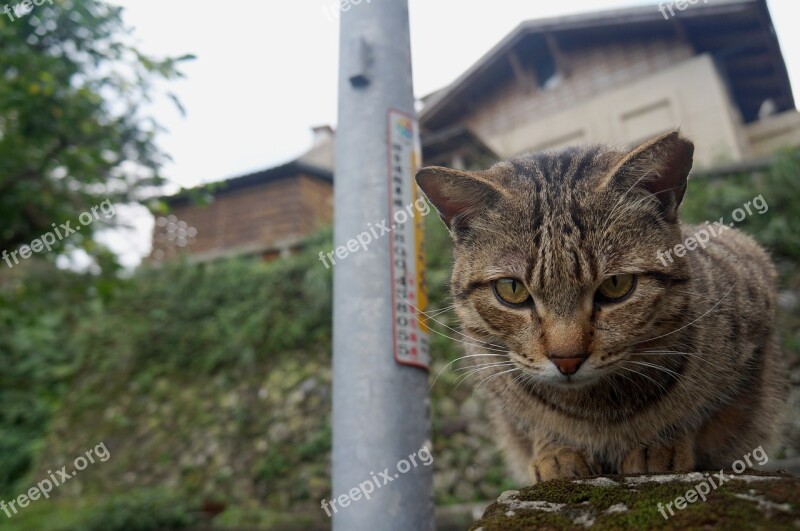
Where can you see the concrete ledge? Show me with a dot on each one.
(751, 500)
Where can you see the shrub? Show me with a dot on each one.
(144, 510)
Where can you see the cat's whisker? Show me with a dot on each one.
(616, 214)
(662, 352)
(644, 376)
(666, 370)
(476, 355)
(483, 365)
(634, 382)
(466, 342)
(482, 382)
(453, 330)
(621, 201)
(657, 353)
(607, 378)
(462, 358)
(438, 312)
(690, 324)
(471, 373)
(693, 379)
(677, 346)
(525, 378)
(517, 378)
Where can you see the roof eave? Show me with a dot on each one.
(597, 19)
(288, 170)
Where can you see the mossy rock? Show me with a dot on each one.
(751, 500)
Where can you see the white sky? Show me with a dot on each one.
(266, 72)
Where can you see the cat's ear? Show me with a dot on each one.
(660, 166)
(456, 195)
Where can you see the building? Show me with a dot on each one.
(263, 214)
(713, 69)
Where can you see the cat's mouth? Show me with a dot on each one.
(583, 374)
(586, 375)
(560, 382)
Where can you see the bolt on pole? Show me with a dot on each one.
(380, 349)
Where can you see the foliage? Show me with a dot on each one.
(136, 510)
(157, 510)
(73, 130)
(37, 313)
(57, 325)
(204, 317)
(709, 199)
(255, 517)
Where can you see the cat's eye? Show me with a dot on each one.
(616, 287)
(511, 291)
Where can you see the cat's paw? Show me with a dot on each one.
(561, 463)
(675, 457)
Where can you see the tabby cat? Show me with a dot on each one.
(597, 356)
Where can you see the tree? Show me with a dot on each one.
(72, 130)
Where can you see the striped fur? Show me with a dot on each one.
(683, 374)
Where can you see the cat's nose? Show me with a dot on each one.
(568, 366)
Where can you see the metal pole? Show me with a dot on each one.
(380, 379)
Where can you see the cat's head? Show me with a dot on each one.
(557, 254)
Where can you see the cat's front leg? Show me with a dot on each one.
(677, 456)
(554, 460)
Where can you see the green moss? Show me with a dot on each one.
(496, 519)
(722, 509)
(558, 491)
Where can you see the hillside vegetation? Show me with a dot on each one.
(210, 384)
